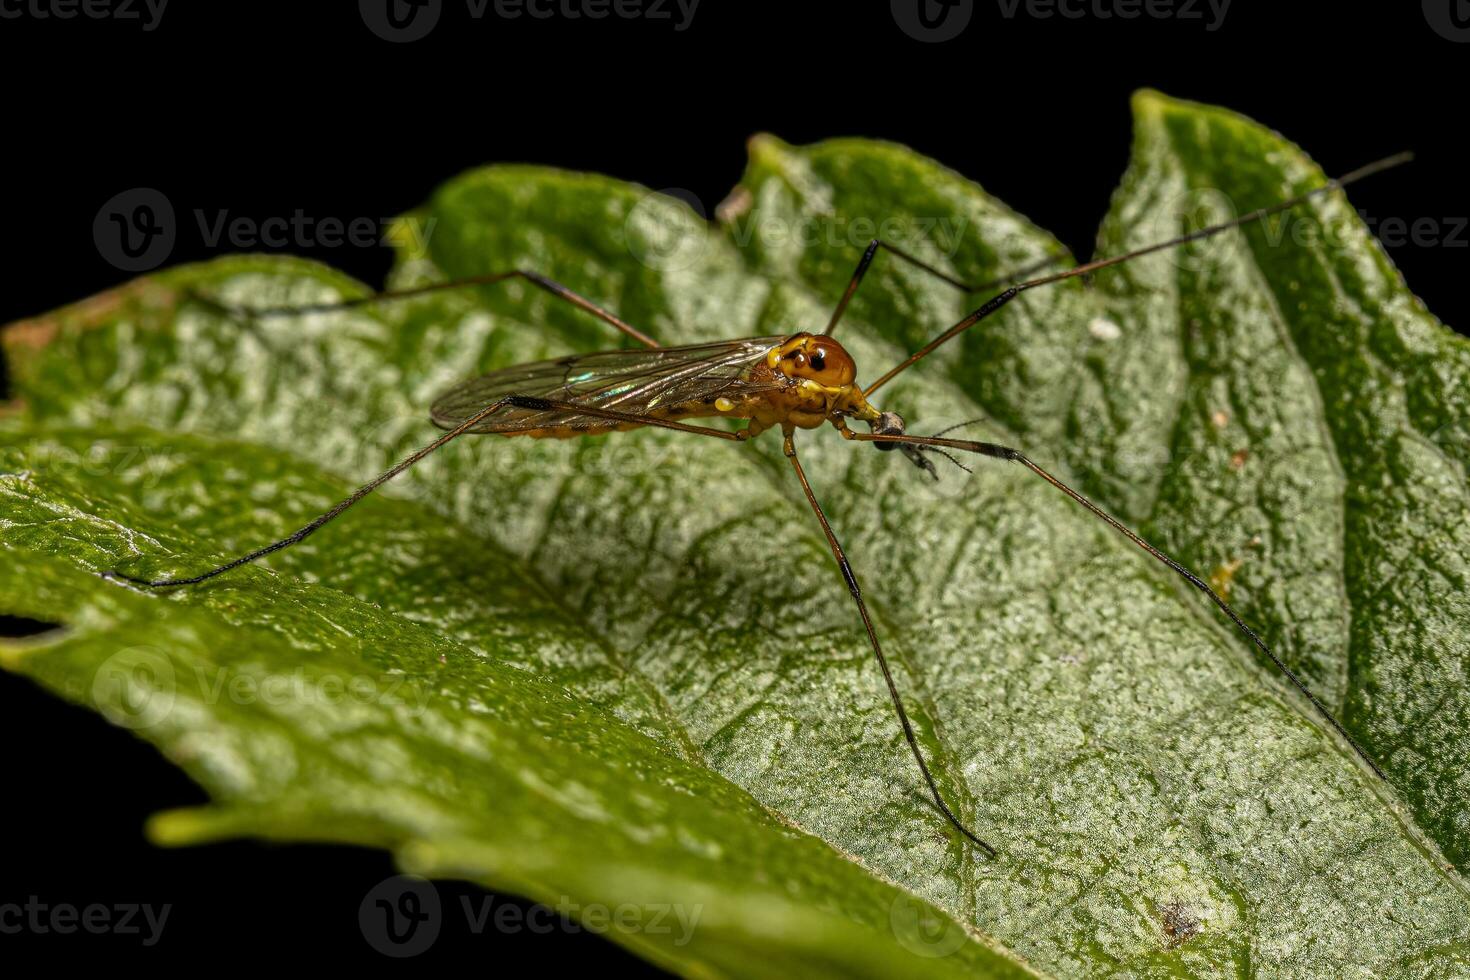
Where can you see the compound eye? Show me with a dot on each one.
(819, 360)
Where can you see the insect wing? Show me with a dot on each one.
(637, 380)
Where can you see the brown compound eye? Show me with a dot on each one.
(822, 360)
(828, 363)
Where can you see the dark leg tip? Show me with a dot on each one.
(115, 576)
(990, 853)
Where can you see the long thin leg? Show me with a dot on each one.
(857, 597)
(878, 243)
(510, 401)
(1011, 292)
(1016, 456)
(535, 278)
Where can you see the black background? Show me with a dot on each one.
(263, 109)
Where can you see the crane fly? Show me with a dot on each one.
(792, 382)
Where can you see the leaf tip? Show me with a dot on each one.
(175, 828)
(21, 636)
(765, 147)
(1147, 102)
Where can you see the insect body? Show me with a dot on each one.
(800, 381)
(797, 382)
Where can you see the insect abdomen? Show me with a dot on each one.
(587, 427)
(712, 407)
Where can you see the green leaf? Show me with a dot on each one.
(623, 670)
(1274, 407)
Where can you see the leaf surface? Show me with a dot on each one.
(624, 669)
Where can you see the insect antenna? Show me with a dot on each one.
(958, 425)
(1002, 298)
(949, 456)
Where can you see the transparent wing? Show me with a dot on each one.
(638, 380)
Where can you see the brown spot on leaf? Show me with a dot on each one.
(21, 339)
(1238, 458)
(735, 205)
(93, 311)
(1180, 924)
(35, 333)
(1221, 577)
